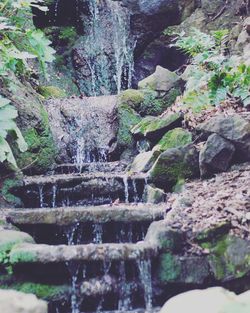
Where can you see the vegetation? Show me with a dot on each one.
(19, 43)
(214, 76)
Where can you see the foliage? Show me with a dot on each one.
(8, 128)
(214, 77)
(18, 42)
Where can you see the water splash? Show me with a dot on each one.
(146, 281)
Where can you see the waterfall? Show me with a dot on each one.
(126, 192)
(54, 191)
(107, 49)
(124, 303)
(74, 271)
(98, 232)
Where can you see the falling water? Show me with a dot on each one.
(70, 233)
(109, 57)
(74, 271)
(124, 303)
(146, 281)
(98, 233)
(41, 197)
(126, 192)
(136, 197)
(54, 191)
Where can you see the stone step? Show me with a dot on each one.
(80, 189)
(70, 168)
(45, 254)
(95, 214)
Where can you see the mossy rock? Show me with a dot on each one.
(175, 138)
(229, 257)
(42, 149)
(183, 270)
(153, 128)
(6, 187)
(42, 291)
(51, 92)
(133, 98)
(8, 239)
(175, 164)
(127, 118)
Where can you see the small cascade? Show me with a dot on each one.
(124, 303)
(54, 191)
(41, 196)
(97, 233)
(126, 192)
(108, 56)
(144, 266)
(74, 273)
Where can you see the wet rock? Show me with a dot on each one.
(175, 164)
(153, 195)
(143, 162)
(153, 128)
(16, 302)
(235, 129)
(96, 287)
(175, 138)
(216, 300)
(162, 80)
(216, 155)
(183, 269)
(83, 127)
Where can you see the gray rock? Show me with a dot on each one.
(9, 238)
(143, 161)
(154, 195)
(234, 128)
(216, 300)
(216, 155)
(161, 80)
(16, 302)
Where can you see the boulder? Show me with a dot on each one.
(216, 155)
(175, 164)
(216, 300)
(175, 138)
(162, 80)
(143, 161)
(17, 302)
(153, 128)
(9, 238)
(235, 129)
(154, 195)
(183, 269)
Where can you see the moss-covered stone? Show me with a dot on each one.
(6, 187)
(153, 128)
(133, 98)
(127, 118)
(175, 164)
(42, 150)
(229, 257)
(42, 291)
(183, 270)
(177, 137)
(51, 92)
(19, 256)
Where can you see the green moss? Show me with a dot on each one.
(169, 268)
(51, 92)
(19, 256)
(133, 98)
(161, 122)
(177, 137)
(6, 187)
(140, 128)
(68, 35)
(127, 118)
(41, 153)
(42, 291)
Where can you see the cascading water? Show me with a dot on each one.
(106, 49)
